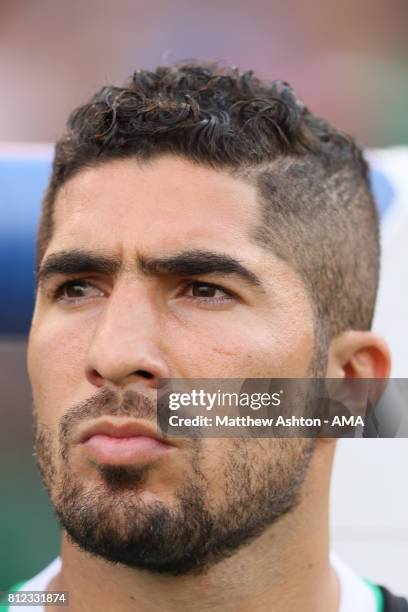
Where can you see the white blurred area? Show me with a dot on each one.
(369, 503)
(391, 317)
(369, 500)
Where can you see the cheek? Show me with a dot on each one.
(285, 352)
(209, 347)
(243, 344)
(56, 356)
(224, 464)
(279, 341)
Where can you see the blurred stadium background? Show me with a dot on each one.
(347, 60)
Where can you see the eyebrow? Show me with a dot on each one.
(76, 261)
(195, 262)
(187, 263)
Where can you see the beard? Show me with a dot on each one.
(260, 481)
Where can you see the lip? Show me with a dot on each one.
(118, 429)
(122, 443)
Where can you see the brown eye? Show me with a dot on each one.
(202, 290)
(207, 293)
(75, 290)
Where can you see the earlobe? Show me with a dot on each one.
(358, 354)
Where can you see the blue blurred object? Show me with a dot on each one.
(23, 180)
(383, 189)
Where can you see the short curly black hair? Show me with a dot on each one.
(313, 184)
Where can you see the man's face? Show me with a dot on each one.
(99, 345)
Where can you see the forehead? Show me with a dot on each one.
(165, 203)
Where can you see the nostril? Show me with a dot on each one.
(95, 378)
(120, 376)
(145, 374)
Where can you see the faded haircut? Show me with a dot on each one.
(316, 205)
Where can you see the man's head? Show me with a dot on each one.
(198, 224)
(312, 181)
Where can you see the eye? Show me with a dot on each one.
(208, 293)
(76, 290)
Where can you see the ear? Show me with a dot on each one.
(358, 354)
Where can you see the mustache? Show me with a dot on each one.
(106, 403)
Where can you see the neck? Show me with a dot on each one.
(286, 569)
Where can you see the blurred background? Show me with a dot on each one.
(348, 60)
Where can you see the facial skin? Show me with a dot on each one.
(103, 352)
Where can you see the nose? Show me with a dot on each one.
(125, 348)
